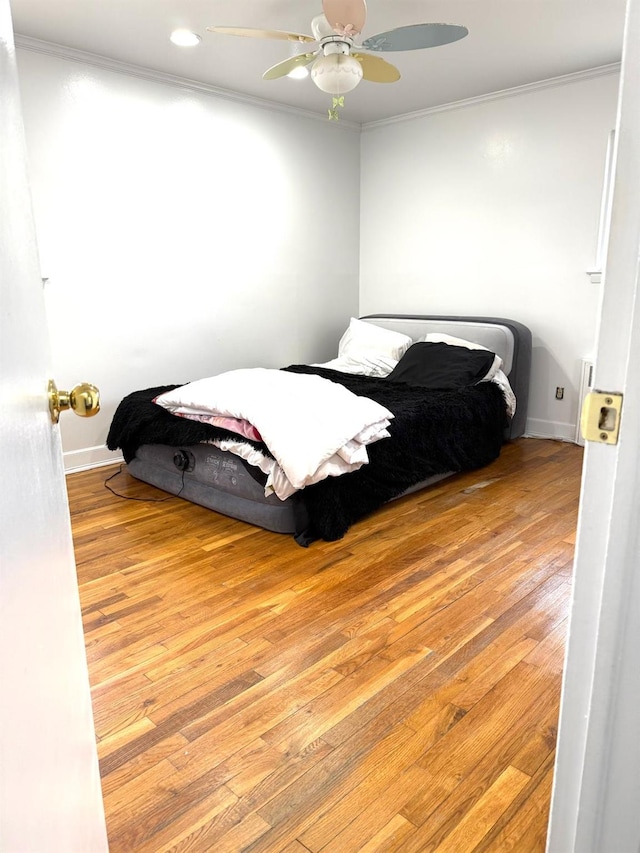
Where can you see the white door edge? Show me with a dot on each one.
(596, 796)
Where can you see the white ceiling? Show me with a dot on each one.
(510, 43)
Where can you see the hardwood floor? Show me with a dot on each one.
(396, 691)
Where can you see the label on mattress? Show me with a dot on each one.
(221, 469)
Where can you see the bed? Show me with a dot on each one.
(437, 427)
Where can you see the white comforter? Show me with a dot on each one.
(315, 428)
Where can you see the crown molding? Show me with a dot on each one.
(97, 61)
(565, 79)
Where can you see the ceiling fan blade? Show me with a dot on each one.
(415, 37)
(346, 17)
(250, 32)
(376, 69)
(281, 69)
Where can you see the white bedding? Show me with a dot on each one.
(501, 380)
(315, 428)
(368, 350)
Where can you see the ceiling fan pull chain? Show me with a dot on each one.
(333, 112)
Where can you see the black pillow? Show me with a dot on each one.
(444, 366)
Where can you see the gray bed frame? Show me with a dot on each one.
(221, 481)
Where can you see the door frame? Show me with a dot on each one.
(596, 793)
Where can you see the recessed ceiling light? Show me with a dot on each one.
(185, 38)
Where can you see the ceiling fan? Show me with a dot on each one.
(337, 63)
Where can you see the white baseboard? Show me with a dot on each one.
(89, 457)
(537, 428)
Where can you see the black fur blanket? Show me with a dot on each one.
(139, 421)
(433, 432)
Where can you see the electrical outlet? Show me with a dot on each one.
(559, 393)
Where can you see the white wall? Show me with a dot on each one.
(493, 209)
(182, 233)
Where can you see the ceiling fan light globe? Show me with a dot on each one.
(336, 74)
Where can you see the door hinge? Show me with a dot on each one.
(600, 418)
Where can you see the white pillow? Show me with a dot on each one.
(369, 350)
(437, 338)
(378, 366)
(363, 336)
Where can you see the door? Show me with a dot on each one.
(596, 799)
(50, 797)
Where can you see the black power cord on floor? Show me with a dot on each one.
(144, 500)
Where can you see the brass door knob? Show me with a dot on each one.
(84, 399)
